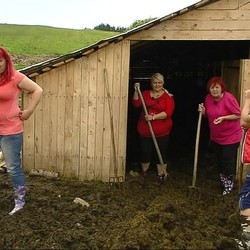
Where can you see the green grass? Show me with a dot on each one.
(35, 40)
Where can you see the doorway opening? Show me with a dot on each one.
(186, 66)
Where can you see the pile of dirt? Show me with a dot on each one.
(140, 213)
(23, 61)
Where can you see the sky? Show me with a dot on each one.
(80, 14)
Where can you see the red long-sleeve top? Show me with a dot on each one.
(161, 127)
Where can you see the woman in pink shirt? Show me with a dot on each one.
(223, 113)
(12, 83)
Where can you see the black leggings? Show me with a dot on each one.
(148, 151)
(226, 157)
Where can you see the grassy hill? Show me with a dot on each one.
(30, 44)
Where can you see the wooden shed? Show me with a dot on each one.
(84, 127)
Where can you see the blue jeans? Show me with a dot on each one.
(11, 146)
(244, 195)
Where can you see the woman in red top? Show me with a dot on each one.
(160, 106)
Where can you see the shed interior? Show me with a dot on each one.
(186, 66)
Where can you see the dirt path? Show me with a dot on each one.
(144, 215)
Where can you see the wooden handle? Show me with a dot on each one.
(196, 149)
(111, 121)
(150, 127)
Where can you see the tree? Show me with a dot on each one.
(107, 27)
(140, 22)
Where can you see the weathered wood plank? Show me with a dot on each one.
(92, 60)
(53, 122)
(245, 5)
(61, 119)
(116, 96)
(230, 73)
(245, 79)
(84, 119)
(99, 114)
(123, 108)
(46, 122)
(38, 126)
(208, 15)
(29, 134)
(226, 4)
(221, 25)
(108, 162)
(115, 106)
(69, 89)
(192, 35)
(77, 88)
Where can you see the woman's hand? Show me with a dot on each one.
(25, 114)
(149, 117)
(218, 120)
(247, 94)
(136, 86)
(201, 108)
(136, 94)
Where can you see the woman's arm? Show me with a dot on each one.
(36, 94)
(245, 113)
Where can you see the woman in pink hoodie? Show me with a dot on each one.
(223, 113)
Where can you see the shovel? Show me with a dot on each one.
(193, 190)
(152, 133)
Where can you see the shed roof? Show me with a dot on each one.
(45, 66)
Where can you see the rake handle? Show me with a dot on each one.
(196, 149)
(111, 120)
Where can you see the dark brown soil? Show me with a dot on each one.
(141, 213)
(23, 61)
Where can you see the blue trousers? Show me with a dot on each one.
(11, 146)
(244, 195)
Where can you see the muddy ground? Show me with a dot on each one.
(141, 213)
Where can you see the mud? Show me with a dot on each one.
(140, 213)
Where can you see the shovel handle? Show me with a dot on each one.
(150, 127)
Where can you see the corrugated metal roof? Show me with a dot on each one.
(50, 64)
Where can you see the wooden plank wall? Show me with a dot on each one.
(225, 19)
(71, 130)
(230, 73)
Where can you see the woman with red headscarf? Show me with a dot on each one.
(12, 83)
(223, 113)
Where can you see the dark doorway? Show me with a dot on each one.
(186, 66)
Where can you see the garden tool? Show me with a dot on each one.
(162, 165)
(114, 181)
(193, 190)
